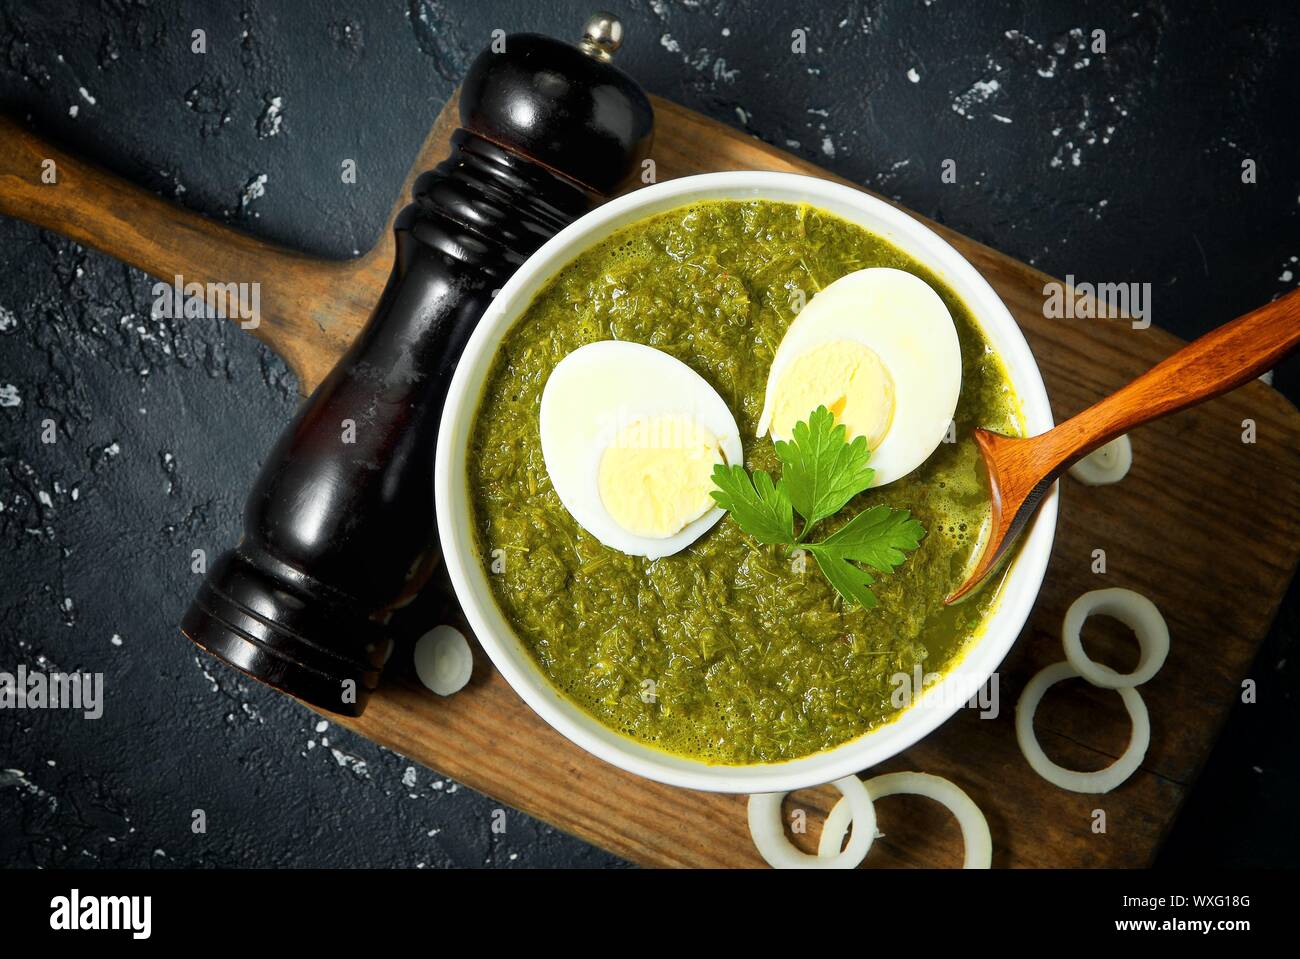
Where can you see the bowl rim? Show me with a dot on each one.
(467, 571)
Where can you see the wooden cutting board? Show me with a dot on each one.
(1206, 525)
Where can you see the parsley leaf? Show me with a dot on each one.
(822, 471)
(850, 581)
(876, 537)
(760, 507)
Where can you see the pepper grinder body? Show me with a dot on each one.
(339, 528)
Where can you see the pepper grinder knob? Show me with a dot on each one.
(565, 106)
(602, 36)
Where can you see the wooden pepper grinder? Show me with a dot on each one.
(339, 529)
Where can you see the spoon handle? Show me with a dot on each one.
(1218, 362)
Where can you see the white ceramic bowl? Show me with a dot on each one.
(469, 571)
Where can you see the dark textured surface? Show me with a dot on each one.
(1123, 166)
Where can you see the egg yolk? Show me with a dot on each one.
(655, 477)
(845, 377)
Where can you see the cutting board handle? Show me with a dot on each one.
(45, 186)
(55, 190)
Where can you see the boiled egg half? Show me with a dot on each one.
(630, 436)
(877, 348)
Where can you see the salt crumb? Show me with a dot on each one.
(356, 764)
(253, 190)
(979, 92)
(268, 125)
(913, 75)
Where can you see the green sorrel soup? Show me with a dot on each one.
(750, 655)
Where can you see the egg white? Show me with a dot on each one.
(899, 317)
(594, 392)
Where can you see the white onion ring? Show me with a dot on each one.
(974, 827)
(443, 660)
(768, 830)
(1101, 781)
(1106, 464)
(1133, 610)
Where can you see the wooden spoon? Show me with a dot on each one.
(1021, 471)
